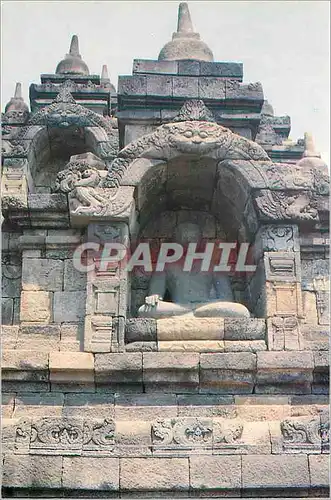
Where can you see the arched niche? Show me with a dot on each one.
(62, 129)
(198, 189)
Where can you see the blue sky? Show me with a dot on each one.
(283, 44)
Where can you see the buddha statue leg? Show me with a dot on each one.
(222, 310)
(162, 310)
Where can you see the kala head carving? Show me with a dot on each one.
(195, 137)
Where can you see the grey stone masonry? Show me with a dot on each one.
(186, 68)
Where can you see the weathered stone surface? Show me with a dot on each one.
(50, 202)
(69, 306)
(9, 335)
(28, 471)
(280, 372)
(319, 470)
(119, 368)
(211, 88)
(72, 332)
(71, 367)
(28, 329)
(314, 337)
(275, 471)
(91, 473)
(37, 405)
(35, 306)
(73, 279)
(148, 66)
(154, 474)
(159, 85)
(7, 310)
(311, 269)
(145, 406)
(24, 360)
(191, 346)
(83, 405)
(227, 373)
(190, 329)
(225, 69)
(244, 345)
(163, 371)
(132, 85)
(206, 406)
(215, 472)
(141, 347)
(133, 437)
(185, 86)
(42, 274)
(7, 405)
(244, 329)
(262, 408)
(140, 330)
(310, 307)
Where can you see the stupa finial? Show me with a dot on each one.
(105, 80)
(184, 24)
(72, 64)
(185, 43)
(310, 148)
(104, 73)
(18, 91)
(17, 103)
(74, 46)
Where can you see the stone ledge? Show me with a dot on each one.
(196, 68)
(264, 475)
(180, 371)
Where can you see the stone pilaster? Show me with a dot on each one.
(279, 274)
(106, 291)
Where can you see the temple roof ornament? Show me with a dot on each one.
(72, 64)
(310, 149)
(105, 80)
(194, 110)
(267, 109)
(186, 43)
(17, 103)
(311, 158)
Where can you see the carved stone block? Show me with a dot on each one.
(228, 373)
(296, 435)
(36, 306)
(283, 333)
(284, 372)
(282, 266)
(283, 299)
(42, 274)
(71, 367)
(185, 86)
(244, 329)
(169, 371)
(190, 329)
(211, 88)
(140, 330)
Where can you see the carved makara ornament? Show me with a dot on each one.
(65, 434)
(281, 205)
(84, 183)
(300, 433)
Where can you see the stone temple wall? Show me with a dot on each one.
(102, 401)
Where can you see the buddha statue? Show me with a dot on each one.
(190, 292)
